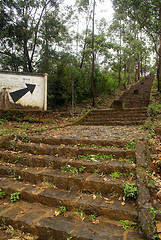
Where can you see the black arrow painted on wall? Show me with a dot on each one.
(20, 93)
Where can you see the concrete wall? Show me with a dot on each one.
(23, 90)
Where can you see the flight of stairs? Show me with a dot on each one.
(68, 188)
(132, 109)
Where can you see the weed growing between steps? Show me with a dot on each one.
(2, 194)
(130, 191)
(127, 160)
(47, 183)
(131, 145)
(92, 146)
(96, 158)
(127, 224)
(15, 197)
(74, 170)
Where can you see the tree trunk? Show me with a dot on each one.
(159, 64)
(130, 71)
(93, 58)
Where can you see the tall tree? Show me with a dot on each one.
(148, 15)
(20, 37)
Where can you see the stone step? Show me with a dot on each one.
(127, 111)
(104, 165)
(113, 123)
(117, 118)
(63, 150)
(91, 204)
(67, 140)
(92, 182)
(42, 221)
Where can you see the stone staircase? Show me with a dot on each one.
(138, 95)
(68, 188)
(130, 109)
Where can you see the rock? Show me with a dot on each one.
(158, 225)
(159, 194)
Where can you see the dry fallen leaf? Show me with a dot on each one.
(123, 203)
(95, 221)
(94, 196)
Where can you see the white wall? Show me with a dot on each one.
(13, 86)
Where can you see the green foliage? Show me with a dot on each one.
(96, 157)
(3, 223)
(2, 194)
(93, 216)
(131, 145)
(3, 120)
(25, 138)
(15, 197)
(74, 170)
(130, 190)
(62, 209)
(31, 120)
(115, 175)
(126, 224)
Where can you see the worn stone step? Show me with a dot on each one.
(54, 140)
(113, 123)
(41, 221)
(62, 150)
(121, 112)
(117, 118)
(94, 183)
(104, 165)
(91, 204)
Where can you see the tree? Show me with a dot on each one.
(19, 38)
(148, 15)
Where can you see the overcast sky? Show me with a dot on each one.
(103, 9)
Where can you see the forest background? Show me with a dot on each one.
(83, 56)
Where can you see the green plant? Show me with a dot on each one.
(115, 175)
(15, 197)
(31, 120)
(51, 164)
(18, 119)
(126, 224)
(97, 172)
(149, 174)
(130, 190)
(3, 223)
(41, 129)
(47, 183)
(35, 152)
(96, 157)
(82, 169)
(131, 145)
(2, 193)
(62, 209)
(93, 216)
(80, 213)
(25, 138)
(73, 170)
(17, 159)
(69, 238)
(3, 120)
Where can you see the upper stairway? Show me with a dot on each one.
(130, 109)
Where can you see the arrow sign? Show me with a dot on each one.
(20, 93)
